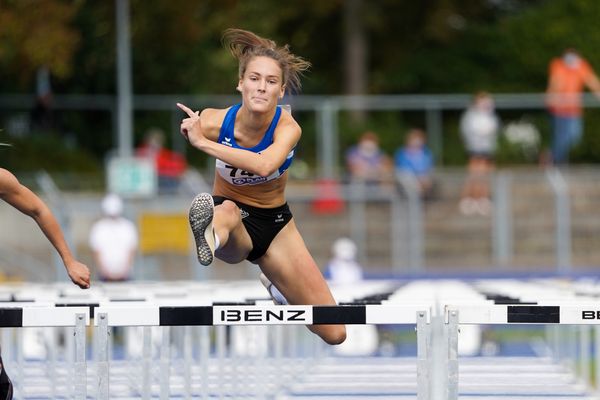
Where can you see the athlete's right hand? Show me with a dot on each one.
(190, 123)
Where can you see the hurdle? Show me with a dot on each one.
(183, 314)
(260, 314)
(227, 339)
(553, 304)
(75, 319)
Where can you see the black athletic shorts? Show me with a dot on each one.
(262, 224)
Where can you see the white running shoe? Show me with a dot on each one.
(201, 218)
(275, 294)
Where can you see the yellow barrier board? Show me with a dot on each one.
(164, 233)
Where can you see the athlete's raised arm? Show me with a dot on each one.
(265, 163)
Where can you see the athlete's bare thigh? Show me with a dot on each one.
(235, 240)
(289, 265)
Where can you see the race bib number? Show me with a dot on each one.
(239, 176)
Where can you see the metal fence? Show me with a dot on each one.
(326, 111)
(542, 221)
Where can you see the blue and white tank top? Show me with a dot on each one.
(237, 176)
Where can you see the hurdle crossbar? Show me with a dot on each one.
(189, 315)
(19, 316)
(566, 314)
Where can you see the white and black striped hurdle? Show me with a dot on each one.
(432, 306)
(255, 315)
(32, 315)
(182, 298)
(554, 304)
(553, 316)
(160, 312)
(260, 314)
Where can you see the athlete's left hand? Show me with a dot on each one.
(191, 123)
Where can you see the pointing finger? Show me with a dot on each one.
(186, 109)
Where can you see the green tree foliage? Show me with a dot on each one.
(414, 47)
(35, 34)
(505, 51)
(45, 152)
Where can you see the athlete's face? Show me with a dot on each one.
(262, 84)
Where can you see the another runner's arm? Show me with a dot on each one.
(30, 204)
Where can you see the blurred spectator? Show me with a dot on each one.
(114, 241)
(170, 166)
(416, 160)
(366, 162)
(328, 199)
(479, 129)
(343, 268)
(344, 272)
(42, 114)
(567, 77)
(525, 137)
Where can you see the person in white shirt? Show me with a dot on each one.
(114, 241)
(479, 126)
(345, 272)
(343, 268)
